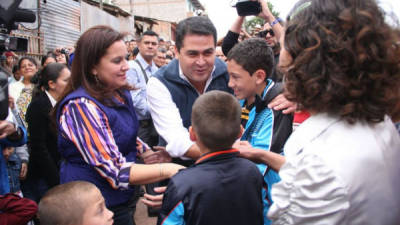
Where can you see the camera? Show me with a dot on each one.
(64, 51)
(10, 13)
(248, 8)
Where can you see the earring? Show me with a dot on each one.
(96, 79)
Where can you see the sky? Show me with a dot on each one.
(223, 15)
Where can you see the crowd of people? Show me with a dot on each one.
(293, 124)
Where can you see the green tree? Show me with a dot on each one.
(252, 23)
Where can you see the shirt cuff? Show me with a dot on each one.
(124, 174)
(178, 148)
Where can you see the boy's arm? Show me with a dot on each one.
(272, 159)
(172, 211)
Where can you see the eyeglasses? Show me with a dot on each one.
(264, 33)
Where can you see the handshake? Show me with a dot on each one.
(151, 156)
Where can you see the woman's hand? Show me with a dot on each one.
(170, 169)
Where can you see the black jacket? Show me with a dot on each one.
(220, 188)
(44, 158)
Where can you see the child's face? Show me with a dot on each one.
(7, 152)
(96, 212)
(243, 85)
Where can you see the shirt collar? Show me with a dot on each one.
(144, 63)
(52, 100)
(309, 130)
(181, 75)
(211, 155)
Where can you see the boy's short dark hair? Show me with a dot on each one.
(253, 54)
(216, 120)
(199, 25)
(62, 205)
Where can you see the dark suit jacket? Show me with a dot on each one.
(44, 157)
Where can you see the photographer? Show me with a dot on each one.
(271, 32)
(62, 55)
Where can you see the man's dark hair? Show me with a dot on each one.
(148, 33)
(216, 120)
(199, 25)
(253, 54)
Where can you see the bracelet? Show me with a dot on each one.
(277, 20)
(160, 170)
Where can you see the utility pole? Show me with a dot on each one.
(101, 4)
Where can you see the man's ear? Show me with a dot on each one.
(240, 132)
(192, 134)
(260, 76)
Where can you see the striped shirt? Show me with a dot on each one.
(87, 126)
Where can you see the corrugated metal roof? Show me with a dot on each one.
(60, 23)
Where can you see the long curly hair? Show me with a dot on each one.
(344, 59)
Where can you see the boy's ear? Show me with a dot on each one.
(241, 131)
(192, 134)
(260, 76)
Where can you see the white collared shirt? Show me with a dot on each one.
(166, 116)
(337, 173)
(52, 100)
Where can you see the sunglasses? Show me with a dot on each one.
(264, 33)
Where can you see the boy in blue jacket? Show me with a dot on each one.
(250, 65)
(220, 188)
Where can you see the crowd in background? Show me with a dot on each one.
(318, 101)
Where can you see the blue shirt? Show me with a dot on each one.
(135, 77)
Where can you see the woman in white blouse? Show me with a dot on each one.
(341, 165)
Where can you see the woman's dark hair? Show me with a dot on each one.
(344, 60)
(15, 69)
(32, 60)
(90, 48)
(51, 72)
(48, 55)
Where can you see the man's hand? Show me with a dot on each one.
(159, 156)
(6, 128)
(155, 201)
(265, 12)
(281, 103)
